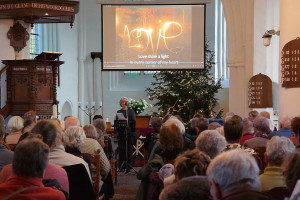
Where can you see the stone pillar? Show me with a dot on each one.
(239, 18)
(288, 98)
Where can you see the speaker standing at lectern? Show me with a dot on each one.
(125, 125)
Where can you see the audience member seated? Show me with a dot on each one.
(170, 145)
(284, 127)
(277, 149)
(189, 163)
(30, 115)
(252, 115)
(234, 175)
(233, 129)
(190, 188)
(295, 127)
(100, 125)
(97, 117)
(266, 114)
(15, 124)
(48, 130)
(214, 126)
(71, 121)
(188, 144)
(248, 130)
(201, 124)
(6, 156)
(261, 132)
(211, 142)
(191, 130)
(73, 139)
(166, 117)
(27, 126)
(91, 146)
(152, 137)
(29, 163)
(291, 170)
(59, 156)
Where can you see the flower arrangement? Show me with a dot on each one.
(138, 106)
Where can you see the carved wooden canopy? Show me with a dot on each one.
(39, 11)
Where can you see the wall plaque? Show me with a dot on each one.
(290, 64)
(260, 92)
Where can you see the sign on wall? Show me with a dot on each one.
(260, 92)
(290, 64)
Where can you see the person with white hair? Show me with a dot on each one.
(74, 139)
(284, 127)
(15, 124)
(210, 142)
(234, 175)
(277, 149)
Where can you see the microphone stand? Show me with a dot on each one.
(127, 165)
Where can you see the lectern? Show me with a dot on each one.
(31, 84)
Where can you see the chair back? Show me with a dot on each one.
(95, 161)
(260, 152)
(80, 186)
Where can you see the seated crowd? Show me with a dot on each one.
(44, 159)
(240, 159)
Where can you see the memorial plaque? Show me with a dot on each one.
(290, 64)
(260, 92)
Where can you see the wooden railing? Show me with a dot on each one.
(4, 110)
(3, 69)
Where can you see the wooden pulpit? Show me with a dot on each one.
(31, 84)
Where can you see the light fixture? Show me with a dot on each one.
(90, 109)
(268, 35)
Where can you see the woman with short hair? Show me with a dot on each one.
(15, 124)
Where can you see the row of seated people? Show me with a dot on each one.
(67, 161)
(235, 171)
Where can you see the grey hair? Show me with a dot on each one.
(194, 122)
(234, 169)
(16, 123)
(278, 148)
(262, 124)
(100, 124)
(214, 126)
(248, 127)
(74, 137)
(285, 121)
(211, 142)
(220, 130)
(177, 122)
(265, 114)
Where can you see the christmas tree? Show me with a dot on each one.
(187, 92)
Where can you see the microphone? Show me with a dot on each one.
(126, 103)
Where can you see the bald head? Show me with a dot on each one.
(71, 121)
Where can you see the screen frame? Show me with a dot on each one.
(137, 3)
